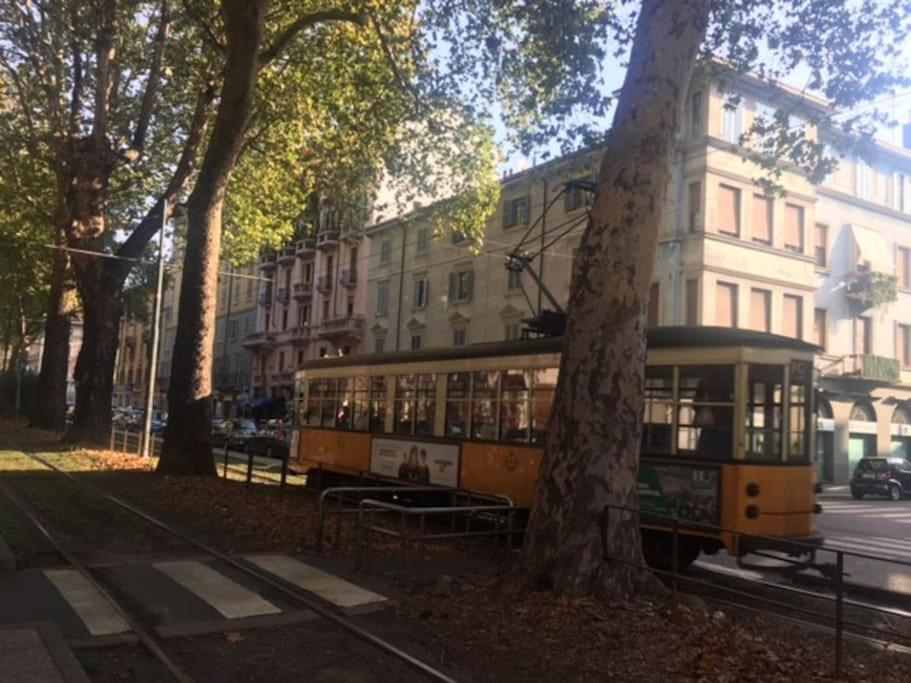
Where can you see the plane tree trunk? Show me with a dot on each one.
(592, 448)
(187, 446)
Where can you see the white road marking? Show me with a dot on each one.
(98, 615)
(231, 599)
(328, 586)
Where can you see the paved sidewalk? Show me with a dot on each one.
(37, 654)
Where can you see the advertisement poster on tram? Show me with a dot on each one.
(689, 493)
(417, 462)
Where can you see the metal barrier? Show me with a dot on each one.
(356, 493)
(836, 616)
(502, 516)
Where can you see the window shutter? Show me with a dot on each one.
(453, 284)
(469, 285)
(426, 300)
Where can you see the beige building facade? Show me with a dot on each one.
(827, 263)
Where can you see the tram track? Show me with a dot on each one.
(258, 574)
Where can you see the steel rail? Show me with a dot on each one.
(144, 636)
(266, 577)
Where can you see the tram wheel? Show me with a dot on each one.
(657, 548)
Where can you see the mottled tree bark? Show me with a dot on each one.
(592, 448)
(49, 410)
(187, 447)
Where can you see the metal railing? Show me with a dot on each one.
(130, 441)
(790, 609)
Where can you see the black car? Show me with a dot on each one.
(890, 477)
(267, 444)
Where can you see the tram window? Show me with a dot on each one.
(361, 404)
(425, 405)
(801, 379)
(377, 422)
(327, 404)
(514, 414)
(765, 406)
(484, 387)
(403, 421)
(659, 409)
(542, 401)
(705, 416)
(314, 403)
(457, 395)
(344, 403)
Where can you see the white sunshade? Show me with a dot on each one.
(871, 248)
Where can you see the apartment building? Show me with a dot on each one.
(825, 263)
(310, 304)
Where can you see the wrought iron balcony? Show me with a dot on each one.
(281, 295)
(259, 340)
(343, 327)
(286, 257)
(327, 239)
(265, 298)
(870, 288)
(301, 335)
(324, 284)
(348, 278)
(871, 368)
(305, 248)
(303, 291)
(268, 261)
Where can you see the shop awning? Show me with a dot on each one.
(872, 250)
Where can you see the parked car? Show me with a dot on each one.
(221, 428)
(890, 477)
(271, 444)
(243, 430)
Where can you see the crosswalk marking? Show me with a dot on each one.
(231, 599)
(327, 586)
(98, 615)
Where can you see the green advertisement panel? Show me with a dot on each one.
(689, 493)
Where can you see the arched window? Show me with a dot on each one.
(863, 412)
(901, 416)
(823, 409)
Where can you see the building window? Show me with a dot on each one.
(903, 267)
(513, 280)
(307, 275)
(379, 345)
(423, 243)
(821, 245)
(695, 214)
(761, 310)
(281, 361)
(326, 309)
(460, 286)
(762, 219)
(386, 252)
(460, 337)
(322, 352)
(300, 359)
(382, 300)
(904, 345)
(415, 342)
(236, 294)
(696, 114)
(512, 331)
(303, 316)
(820, 328)
(793, 228)
(232, 330)
(250, 284)
(421, 292)
(284, 318)
(576, 195)
(726, 305)
(728, 210)
(864, 180)
(349, 306)
(692, 302)
(863, 336)
(654, 299)
(515, 212)
(792, 316)
(732, 122)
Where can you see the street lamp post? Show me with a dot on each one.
(156, 325)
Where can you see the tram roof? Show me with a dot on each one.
(658, 338)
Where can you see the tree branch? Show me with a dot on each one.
(305, 21)
(151, 91)
(78, 80)
(104, 47)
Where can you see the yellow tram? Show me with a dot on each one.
(727, 438)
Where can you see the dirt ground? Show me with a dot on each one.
(474, 624)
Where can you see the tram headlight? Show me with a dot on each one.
(752, 511)
(752, 489)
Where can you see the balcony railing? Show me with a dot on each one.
(871, 288)
(281, 295)
(869, 367)
(343, 327)
(265, 298)
(324, 284)
(348, 278)
(259, 340)
(303, 291)
(301, 335)
(286, 257)
(268, 261)
(305, 248)
(327, 239)
(286, 377)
